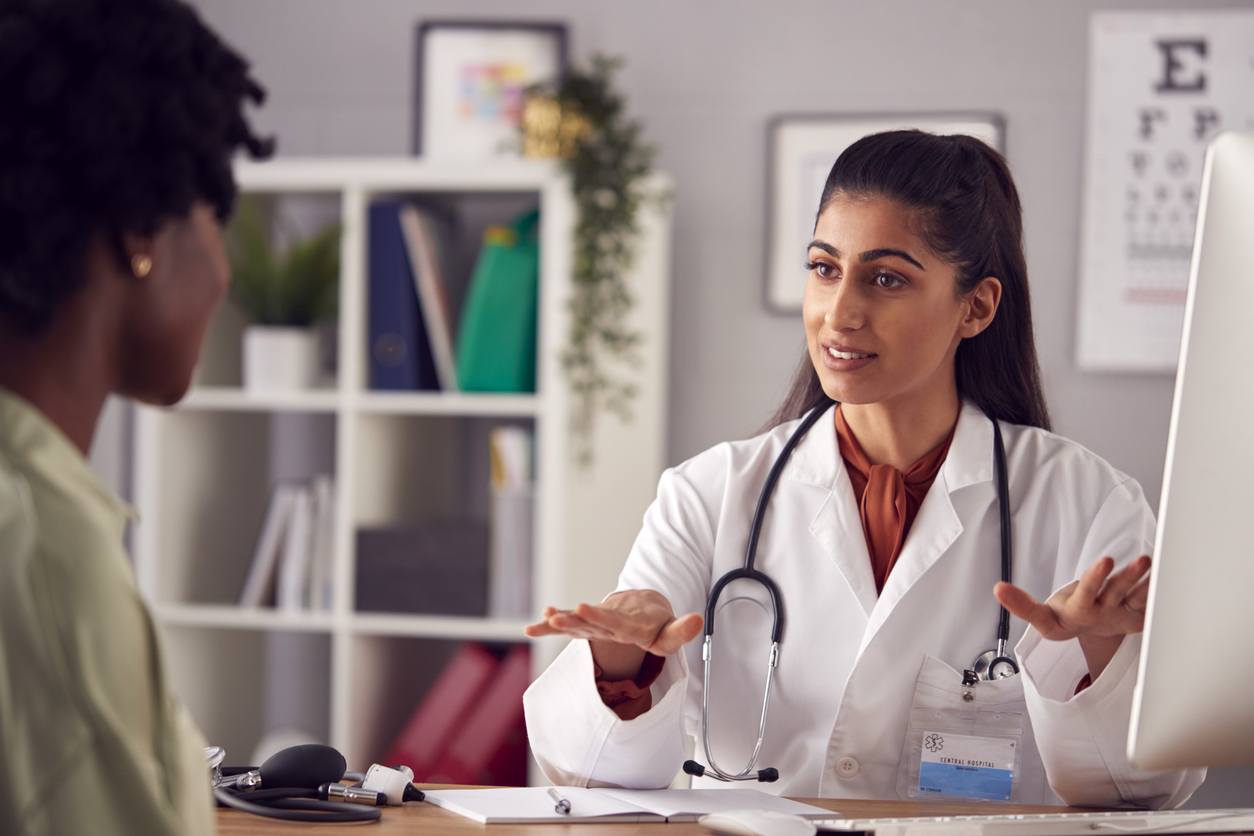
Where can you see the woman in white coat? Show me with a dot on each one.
(883, 537)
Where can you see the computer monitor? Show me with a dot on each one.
(1194, 701)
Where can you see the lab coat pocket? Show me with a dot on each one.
(963, 741)
(939, 685)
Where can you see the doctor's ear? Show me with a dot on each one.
(981, 306)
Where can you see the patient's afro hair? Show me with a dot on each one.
(115, 116)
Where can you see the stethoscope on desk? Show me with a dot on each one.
(304, 783)
(991, 664)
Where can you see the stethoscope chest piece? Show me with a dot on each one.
(994, 664)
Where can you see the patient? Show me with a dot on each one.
(118, 121)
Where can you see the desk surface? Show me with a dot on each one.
(425, 818)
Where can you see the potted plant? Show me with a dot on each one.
(582, 122)
(285, 295)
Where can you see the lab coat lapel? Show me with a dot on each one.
(837, 526)
(937, 525)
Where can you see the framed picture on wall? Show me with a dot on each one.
(470, 80)
(802, 149)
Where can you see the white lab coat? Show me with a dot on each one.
(851, 660)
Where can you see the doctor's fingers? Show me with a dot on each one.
(1138, 597)
(571, 624)
(677, 633)
(556, 627)
(1120, 584)
(1041, 616)
(1091, 583)
(634, 626)
(542, 627)
(1110, 615)
(653, 629)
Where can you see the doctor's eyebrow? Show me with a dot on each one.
(869, 255)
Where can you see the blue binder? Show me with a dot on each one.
(400, 356)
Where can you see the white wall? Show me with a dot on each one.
(705, 77)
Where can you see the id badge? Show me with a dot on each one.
(963, 742)
(967, 766)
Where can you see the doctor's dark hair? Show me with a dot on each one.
(117, 115)
(967, 210)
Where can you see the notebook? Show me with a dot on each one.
(534, 805)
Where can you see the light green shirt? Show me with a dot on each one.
(90, 740)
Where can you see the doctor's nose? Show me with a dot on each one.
(844, 308)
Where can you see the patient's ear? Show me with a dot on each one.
(174, 280)
(137, 253)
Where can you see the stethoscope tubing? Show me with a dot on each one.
(707, 654)
(748, 572)
(755, 530)
(1003, 508)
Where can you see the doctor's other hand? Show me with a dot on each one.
(1099, 609)
(622, 628)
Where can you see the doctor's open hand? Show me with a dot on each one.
(622, 628)
(1099, 609)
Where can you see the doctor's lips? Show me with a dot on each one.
(841, 352)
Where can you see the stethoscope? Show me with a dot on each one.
(991, 664)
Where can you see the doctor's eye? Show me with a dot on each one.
(888, 281)
(822, 268)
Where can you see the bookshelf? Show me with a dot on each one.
(203, 472)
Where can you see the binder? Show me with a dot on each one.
(491, 745)
(259, 586)
(432, 288)
(443, 710)
(510, 522)
(322, 557)
(496, 339)
(400, 355)
(297, 552)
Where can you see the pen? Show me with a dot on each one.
(562, 806)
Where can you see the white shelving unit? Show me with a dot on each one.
(203, 473)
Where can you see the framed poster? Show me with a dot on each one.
(801, 152)
(470, 80)
(1161, 85)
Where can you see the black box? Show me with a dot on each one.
(436, 568)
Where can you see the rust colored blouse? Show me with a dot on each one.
(888, 499)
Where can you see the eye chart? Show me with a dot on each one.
(1160, 87)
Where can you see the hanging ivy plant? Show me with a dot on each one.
(582, 123)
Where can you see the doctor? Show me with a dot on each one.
(883, 537)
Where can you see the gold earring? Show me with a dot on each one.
(141, 265)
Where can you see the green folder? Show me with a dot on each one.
(496, 339)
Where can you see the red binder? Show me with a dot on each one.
(490, 747)
(444, 711)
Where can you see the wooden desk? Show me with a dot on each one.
(427, 819)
